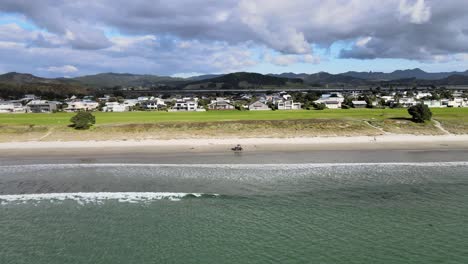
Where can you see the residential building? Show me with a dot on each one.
(114, 107)
(433, 103)
(359, 104)
(186, 104)
(258, 106)
(288, 105)
(221, 104)
(11, 107)
(407, 101)
(332, 101)
(153, 104)
(84, 105)
(41, 106)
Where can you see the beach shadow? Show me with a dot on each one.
(401, 118)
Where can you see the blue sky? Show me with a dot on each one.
(55, 38)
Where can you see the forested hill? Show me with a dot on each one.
(243, 80)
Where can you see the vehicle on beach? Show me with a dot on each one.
(237, 148)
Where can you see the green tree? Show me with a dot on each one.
(82, 120)
(420, 113)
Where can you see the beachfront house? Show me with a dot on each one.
(186, 104)
(258, 106)
(153, 104)
(81, 105)
(332, 101)
(433, 103)
(288, 105)
(458, 102)
(114, 107)
(407, 101)
(11, 107)
(221, 104)
(359, 104)
(41, 106)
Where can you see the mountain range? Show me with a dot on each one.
(14, 83)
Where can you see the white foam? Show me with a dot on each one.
(97, 197)
(241, 166)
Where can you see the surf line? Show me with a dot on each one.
(99, 197)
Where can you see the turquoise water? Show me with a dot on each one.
(282, 213)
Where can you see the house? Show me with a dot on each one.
(433, 103)
(221, 104)
(114, 107)
(129, 103)
(288, 105)
(258, 106)
(153, 104)
(186, 104)
(407, 101)
(11, 107)
(458, 102)
(41, 106)
(332, 101)
(359, 104)
(84, 105)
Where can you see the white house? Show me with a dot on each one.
(258, 106)
(186, 104)
(458, 102)
(154, 104)
(433, 103)
(114, 107)
(11, 107)
(407, 101)
(332, 101)
(130, 102)
(84, 105)
(221, 104)
(359, 104)
(288, 105)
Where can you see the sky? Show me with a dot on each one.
(55, 38)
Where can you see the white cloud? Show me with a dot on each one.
(417, 12)
(61, 69)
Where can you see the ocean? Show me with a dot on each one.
(361, 212)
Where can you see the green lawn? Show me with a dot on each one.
(144, 125)
(61, 119)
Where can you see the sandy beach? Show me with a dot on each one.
(251, 144)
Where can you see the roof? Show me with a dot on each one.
(359, 102)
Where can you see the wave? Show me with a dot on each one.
(239, 166)
(100, 197)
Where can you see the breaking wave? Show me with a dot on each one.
(100, 197)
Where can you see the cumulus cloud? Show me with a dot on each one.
(170, 37)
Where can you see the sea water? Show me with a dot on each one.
(234, 213)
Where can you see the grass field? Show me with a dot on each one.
(229, 123)
(61, 119)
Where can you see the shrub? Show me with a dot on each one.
(82, 120)
(320, 106)
(420, 113)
